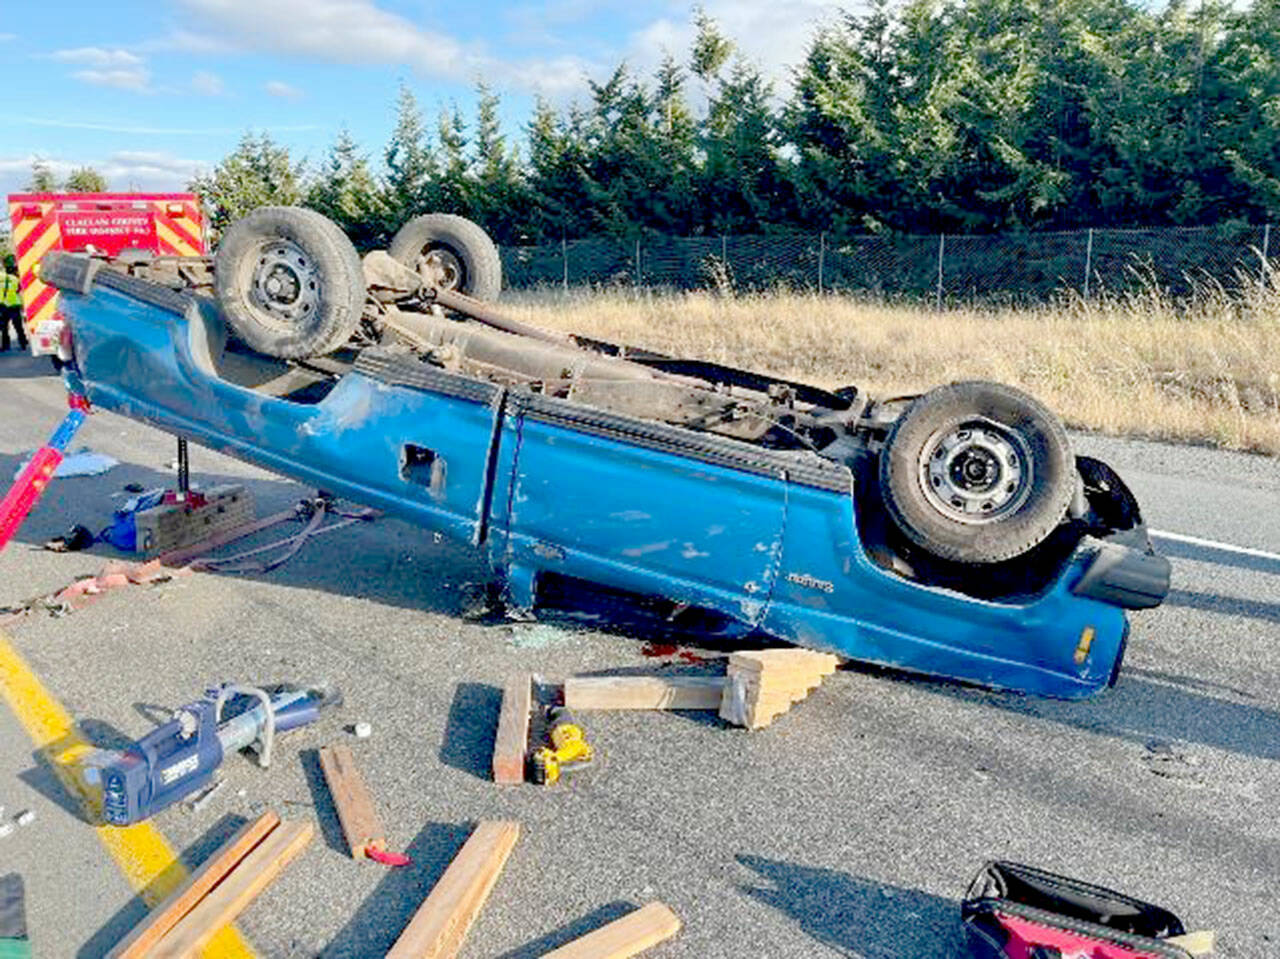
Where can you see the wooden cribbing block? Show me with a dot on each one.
(625, 937)
(764, 684)
(643, 692)
(438, 927)
(1199, 942)
(180, 557)
(194, 888)
(360, 823)
(232, 896)
(800, 661)
(762, 706)
(171, 526)
(512, 740)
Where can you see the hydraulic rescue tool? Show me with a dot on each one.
(180, 757)
(569, 748)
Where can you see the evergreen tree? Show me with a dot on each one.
(454, 182)
(259, 172)
(635, 155)
(556, 181)
(741, 187)
(969, 143)
(1138, 120)
(346, 192)
(619, 175)
(412, 170)
(498, 200)
(911, 115)
(711, 49)
(1247, 115)
(957, 116)
(42, 178)
(85, 179)
(1169, 150)
(842, 123)
(673, 144)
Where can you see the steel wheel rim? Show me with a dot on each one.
(977, 471)
(442, 268)
(285, 282)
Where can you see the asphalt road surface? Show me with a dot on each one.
(851, 827)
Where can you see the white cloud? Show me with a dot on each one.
(774, 34)
(278, 88)
(151, 167)
(136, 79)
(361, 32)
(156, 131)
(107, 67)
(344, 31)
(185, 41)
(98, 57)
(22, 164)
(208, 84)
(554, 25)
(144, 170)
(552, 78)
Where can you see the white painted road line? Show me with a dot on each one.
(1214, 544)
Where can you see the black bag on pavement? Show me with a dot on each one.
(1020, 912)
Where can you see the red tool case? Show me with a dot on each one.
(1019, 912)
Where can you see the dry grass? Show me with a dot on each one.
(1207, 371)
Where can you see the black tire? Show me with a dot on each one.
(289, 282)
(452, 252)
(977, 472)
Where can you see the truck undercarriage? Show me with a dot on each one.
(975, 473)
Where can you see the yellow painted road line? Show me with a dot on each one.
(142, 853)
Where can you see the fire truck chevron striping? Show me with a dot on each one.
(165, 224)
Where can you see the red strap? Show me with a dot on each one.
(388, 858)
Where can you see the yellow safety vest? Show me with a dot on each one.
(8, 290)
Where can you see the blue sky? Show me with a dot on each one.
(151, 93)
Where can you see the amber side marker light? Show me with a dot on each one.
(1082, 647)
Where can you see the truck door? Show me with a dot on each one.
(646, 507)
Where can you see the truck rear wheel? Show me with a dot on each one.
(450, 252)
(289, 282)
(977, 472)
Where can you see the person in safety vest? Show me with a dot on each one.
(10, 310)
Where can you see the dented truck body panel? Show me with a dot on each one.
(767, 537)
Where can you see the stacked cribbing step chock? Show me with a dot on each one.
(764, 684)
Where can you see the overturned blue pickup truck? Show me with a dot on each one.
(953, 534)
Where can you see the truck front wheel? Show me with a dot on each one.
(977, 472)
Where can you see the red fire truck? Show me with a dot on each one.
(160, 224)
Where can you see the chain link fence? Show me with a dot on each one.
(944, 269)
